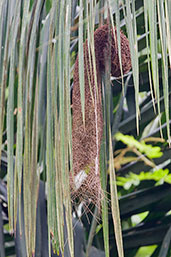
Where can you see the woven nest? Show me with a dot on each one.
(86, 138)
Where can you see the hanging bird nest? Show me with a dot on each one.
(87, 136)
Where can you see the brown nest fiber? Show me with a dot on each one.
(86, 138)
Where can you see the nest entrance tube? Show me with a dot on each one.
(86, 138)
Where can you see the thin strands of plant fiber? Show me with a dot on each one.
(68, 144)
(42, 60)
(152, 19)
(68, 77)
(62, 128)
(103, 169)
(35, 174)
(3, 84)
(101, 12)
(114, 201)
(92, 231)
(64, 116)
(3, 15)
(115, 5)
(168, 27)
(61, 104)
(30, 171)
(106, 111)
(81, 60)
(148, 51)
(53, 227)
(129, 14)
(58, 218)
(114, 195)
(10, 139)
(10, 117)
(24, 109)
(104, 200)
(162, 29)
(57, 66)
(92, 62)
(26, 171)
(85, 19)
(49, 155)
(58, 233)
(21, 87)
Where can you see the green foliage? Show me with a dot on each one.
(149, 150)
(145, 251)
(132, 179)
(48, 5)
